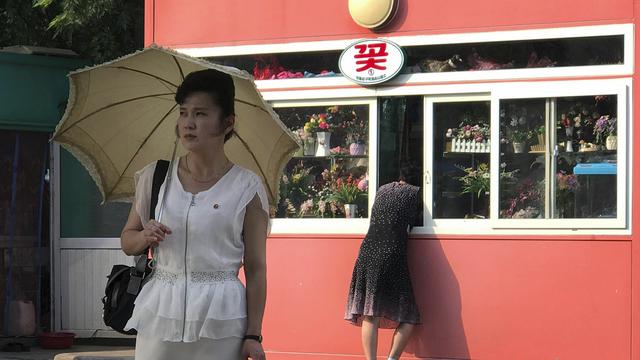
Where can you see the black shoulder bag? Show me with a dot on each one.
(124, 282)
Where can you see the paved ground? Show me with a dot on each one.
(80, 345)
(38, 353)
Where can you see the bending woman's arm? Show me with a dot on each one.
(255, 269)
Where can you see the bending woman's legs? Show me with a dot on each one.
(370, 336)
(400, 339)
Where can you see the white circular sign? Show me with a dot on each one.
(372, 61)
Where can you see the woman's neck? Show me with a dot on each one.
(208, 164)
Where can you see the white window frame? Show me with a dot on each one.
(621, 88)
(337, 225)
(466, 84)
(429, 172)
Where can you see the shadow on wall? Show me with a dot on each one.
(437, 292)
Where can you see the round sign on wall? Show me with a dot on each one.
(372, 61)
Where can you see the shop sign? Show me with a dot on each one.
(370, 62)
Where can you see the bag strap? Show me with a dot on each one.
(159, 174)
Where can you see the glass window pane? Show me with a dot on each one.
(522, 158)
(400, 140)
(579, 180)
(461, 174)
(330, 171)
(586, 157)
(81, 215)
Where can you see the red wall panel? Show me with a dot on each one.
(480, 299)
(199, 23)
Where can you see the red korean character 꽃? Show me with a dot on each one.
(373, 58)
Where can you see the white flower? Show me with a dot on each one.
(306, 206)
(522, 120)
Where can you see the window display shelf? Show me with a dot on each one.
(453, 154)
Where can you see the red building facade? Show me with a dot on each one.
(557, 281)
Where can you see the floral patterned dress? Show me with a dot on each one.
(380, 284)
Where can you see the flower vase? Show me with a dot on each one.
(324, 140)
(569, 146)
(309, 146)
(356, 149)
(519, 148)
(611, 142)
(569, 131)
(350, 210)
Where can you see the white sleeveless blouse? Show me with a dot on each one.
(195, 291)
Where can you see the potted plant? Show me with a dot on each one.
(469, 136)
(519, 139)
(518, 125)
(605, 130)
(355, 134)
(347, 193)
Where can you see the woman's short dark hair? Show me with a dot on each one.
(410, 173)
(213, 82)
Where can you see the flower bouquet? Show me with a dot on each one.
(605, 130)
(469, 137)
(566, 186)
(475, 181)
(321, 125)
(356, 132)
(517, 124)
(306, 141)
(348, 193)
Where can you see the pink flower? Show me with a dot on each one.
(363, 185)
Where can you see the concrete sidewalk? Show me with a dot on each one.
(87, 352)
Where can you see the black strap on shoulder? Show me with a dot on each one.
(158, 178)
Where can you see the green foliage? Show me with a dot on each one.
(21, 24)
(99, 30)
(347, 193)
(475, 181)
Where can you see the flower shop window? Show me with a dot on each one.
(297, 65)
(329, 176)
(459, 157)
(516, 54)
(562, 158)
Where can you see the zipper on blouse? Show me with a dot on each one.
(186, 278)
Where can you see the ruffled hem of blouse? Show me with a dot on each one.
(175, 330)
(214, 310)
